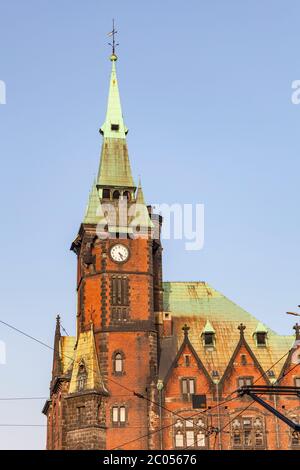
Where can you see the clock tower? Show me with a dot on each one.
(119, 288)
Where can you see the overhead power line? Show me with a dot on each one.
(138, 395)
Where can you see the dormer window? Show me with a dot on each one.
(261, 339)
(261, 335)
(209, 339)
(115, 127)
(208, 335)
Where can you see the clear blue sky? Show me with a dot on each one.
(206, 93)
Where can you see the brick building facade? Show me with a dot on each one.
(144, 348)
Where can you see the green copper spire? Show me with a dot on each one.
(140, 194)
(114, 126)
(114, 171)
(93, 213)
(141, 214)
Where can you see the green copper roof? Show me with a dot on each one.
(114, 115)
(140, 194)
(114, 167)
(196, 303)
(261, 328)
(141, 214)
(93, 213)
(208, 328)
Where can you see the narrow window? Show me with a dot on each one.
(187, 388)
(243, 359)
(295, 437)
(184, 386)
(114, 127)
(119, 415)
(118, 363)
(81, 382)
(106, 194)
(247, 425)
(190, 442)
(187, 360)
(116, 195)
(80, 414)
(237, 438)
(119, 287)
(200, 439)
(81, 377)
(115, 414)
(126, 195)
(178, 439)
(191, 386)
(122, 414)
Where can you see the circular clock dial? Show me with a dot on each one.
(119, 253)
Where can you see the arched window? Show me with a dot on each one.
(120, 299)
(118, 415)
(116, 194)
(81, 377)
(119, 290)
(248, 433)
(118, 363)
(190, 433)
(126, 195)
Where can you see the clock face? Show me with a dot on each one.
(119, 253)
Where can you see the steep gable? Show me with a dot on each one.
(195, 303)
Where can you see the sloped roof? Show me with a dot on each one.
(67, 344)
(86, 352)
(194, 303)
(93, 213)
(114, 167)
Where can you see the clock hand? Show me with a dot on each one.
(120, 254)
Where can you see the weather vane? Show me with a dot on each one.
(113, 44)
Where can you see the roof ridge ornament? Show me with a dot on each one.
(296, 327)
(186, 329)
(242, 328)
